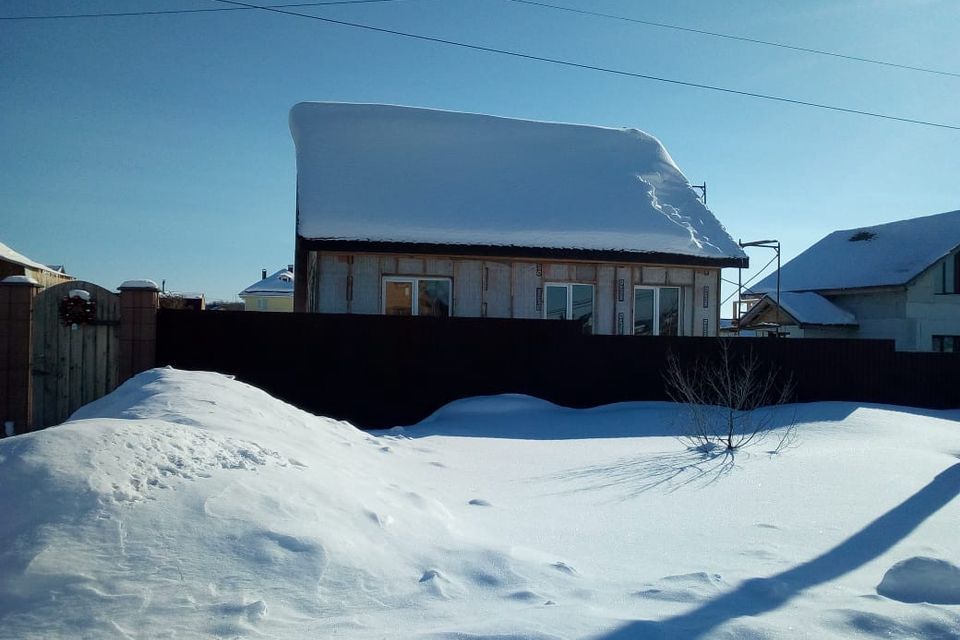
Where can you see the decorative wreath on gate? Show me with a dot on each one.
(76, 310)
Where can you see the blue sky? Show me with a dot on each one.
(158, 147)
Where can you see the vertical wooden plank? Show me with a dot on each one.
(623, 301)
(586, 273)
(468, 288)
(527, 290)
(687, 310)
(497, 289)
(366, 285)
(557, 272)
(679, 276)
(333, 283)
(654, 276)
(606, 300)
(388, 265)
(407, 266)
(704, 303)
(438, 267)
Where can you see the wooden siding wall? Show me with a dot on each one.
(352, 283)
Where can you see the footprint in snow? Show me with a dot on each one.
(479, 502)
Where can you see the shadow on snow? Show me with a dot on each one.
(761, 595)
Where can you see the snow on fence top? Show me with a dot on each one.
(385, 173)
(888, 254)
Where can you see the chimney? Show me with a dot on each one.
(290, 268)
(263, 274)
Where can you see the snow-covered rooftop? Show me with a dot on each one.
(9, 255)
(279, 284)
(882, 255)
(807, 308)
(383, 173)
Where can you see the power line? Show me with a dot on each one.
(161, 12)
(728, 36)
(590, 67)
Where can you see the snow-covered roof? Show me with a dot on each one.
(383, 173)
(882, 255)
(9, 255)
(806, 308)
(279, 284)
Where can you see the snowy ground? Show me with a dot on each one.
(189, 505)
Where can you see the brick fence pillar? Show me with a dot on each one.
(139, 301)
(16, 351)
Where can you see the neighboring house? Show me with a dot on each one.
(410, 211)
(17, 264)
(899, 281)
(274, 293)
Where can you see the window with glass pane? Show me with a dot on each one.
(669, 311)
(398, 297)
(581, 305)
(656, 311)
(643, 318)
(556, 308)
(433, 298)
(570, 302)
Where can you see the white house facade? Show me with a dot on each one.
(897, 281)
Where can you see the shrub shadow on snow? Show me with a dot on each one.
(760, 595)
(632, 476)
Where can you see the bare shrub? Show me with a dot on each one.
(724, 399)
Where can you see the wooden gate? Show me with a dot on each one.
(76, 349)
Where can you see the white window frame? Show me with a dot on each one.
(569, 287)
(415, 302)
(656, 307)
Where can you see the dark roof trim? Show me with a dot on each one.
(495, 251)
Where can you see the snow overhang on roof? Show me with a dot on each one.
(883, 255)
(388, 174)
(806, 308)
(9, 255)
(280, 284)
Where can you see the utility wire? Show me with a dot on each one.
(590, 67)
(161, 12)
(728, 36)
(744, 285)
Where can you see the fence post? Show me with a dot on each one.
(139, 301)
(16, 354)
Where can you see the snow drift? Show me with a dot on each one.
(187, 504)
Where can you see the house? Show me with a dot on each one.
(411, 211)
(13, 263)
(270, 294)
(899, 281)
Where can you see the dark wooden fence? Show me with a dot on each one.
(378, 371)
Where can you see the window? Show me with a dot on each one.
(946, 344)
(570, 302)
(261, 304)
(656, 311)
(416, 296)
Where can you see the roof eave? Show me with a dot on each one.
(510, 251)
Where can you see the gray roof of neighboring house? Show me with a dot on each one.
(806, 308)
(386, 173)
(888, 254)
(280, 284)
